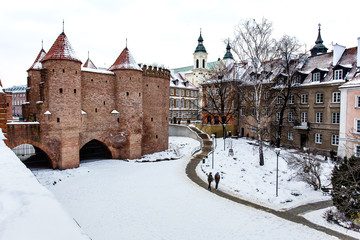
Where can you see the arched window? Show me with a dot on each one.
(203, 63)
(197, 63)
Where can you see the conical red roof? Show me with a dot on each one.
(61, 49)
(89, 64)
(37, 63)
(125, 61)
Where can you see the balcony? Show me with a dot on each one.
(302, 126)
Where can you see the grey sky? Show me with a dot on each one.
(158, 31)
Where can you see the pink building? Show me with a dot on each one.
(18, 98)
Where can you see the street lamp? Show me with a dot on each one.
(213, 148)
(277, 151)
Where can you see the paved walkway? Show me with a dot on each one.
(291, 215)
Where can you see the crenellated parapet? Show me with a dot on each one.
(155, 71)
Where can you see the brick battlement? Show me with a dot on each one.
(155, 72)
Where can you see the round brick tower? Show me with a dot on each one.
(60, 92)
(129, 102)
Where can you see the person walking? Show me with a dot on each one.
(210, 179)
(217, 180)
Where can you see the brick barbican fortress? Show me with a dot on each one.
(73, 110)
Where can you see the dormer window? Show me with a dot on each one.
(176, 81)
(338, 74)
(316, 77)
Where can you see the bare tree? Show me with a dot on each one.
(287, 81)
(219, 95)
(254, 44)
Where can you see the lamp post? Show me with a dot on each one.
(277, 151)
(213, 149)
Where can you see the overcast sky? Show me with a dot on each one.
(164, 32)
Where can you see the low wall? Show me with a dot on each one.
(178, 130)
(217, 129)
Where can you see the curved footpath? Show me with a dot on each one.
(291, 215)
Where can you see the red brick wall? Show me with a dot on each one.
(3, 113)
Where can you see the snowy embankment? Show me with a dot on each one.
(27, 209)
(242, 175)
(114, 199)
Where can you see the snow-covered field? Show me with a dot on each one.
(243, 177)
(27, 209)
(112, 199)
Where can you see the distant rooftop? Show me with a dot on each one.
(190, 68)
(19, 88)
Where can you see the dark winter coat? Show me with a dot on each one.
(217, 177)
(210, 178)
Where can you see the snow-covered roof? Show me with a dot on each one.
(89, 64)
(83, 112)
(37, 63)
(47, 113)
(99, 70)
(17, 89)
(61, 49)
(114, 111)
(125, 61)
(178, 80)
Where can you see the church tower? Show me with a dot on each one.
(319, 47)
(200, 55)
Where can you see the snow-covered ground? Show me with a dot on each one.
(27, 209)
(243, 177)
(112, 199)
(317, 218)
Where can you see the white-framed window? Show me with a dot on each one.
(336, 97)
(357, 125)
(177, 92)
(265, 111)
(182, 92)
(319, 117)
(335, 140)
(278, 116)
(217, 91)
(187, 92)
(253, 129)
(290, 116)
(196, 94)
(304, 99)
(172, 91)
(171, 103)
(177, 103)
(290, 136)
(338, 74)
(253, 111)
(253, 97)
(266, 95)
(192, 93)
(278, 100)
(318, 138)
(319, 98)
(357, 151)
(291, 99)
(357, 103)
(335, 117)
(316, 77)
(196, 103)
(242, 111)
(304, 117)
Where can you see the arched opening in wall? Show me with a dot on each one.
(203, 63)
(197, 63)
(32, 156)
(94, 150)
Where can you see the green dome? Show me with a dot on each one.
(200, 47)
(228, 54)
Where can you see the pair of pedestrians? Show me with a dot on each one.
(211, 178)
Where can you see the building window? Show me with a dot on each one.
(318, 138)
(266, 111)
(319, 117)
(152, 119)
(74, 91)
(118, 120)
(187, 92)
(290, 136)
(242, 111)
(278, 99)
(304, 99)
(291, 99)
(319, 98)
(278, 116)
(266, 95)
(182, 103)
(253, 112)
(335, 117)
(338, 74)
(177, 103)
(336, 97)
(171, 103)
(172, 91)
(253, 97)
(177, 92)
(182, 93)
(303, 116)
(253, 129)
(58, 119)
(357, 104)
(127, 93)
(60, 90)
(357, 151)
(335, 140)
(290, 116)
(316, 77)
(95, 109)
(357, 125)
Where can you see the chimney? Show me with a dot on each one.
(358, 53)
(337, 53)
